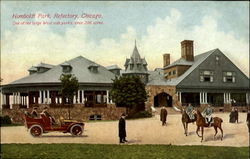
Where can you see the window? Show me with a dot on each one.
(229, 77)
(169, 73)
(95, 117)
(206, 76)
(67, 69)
(174, 72)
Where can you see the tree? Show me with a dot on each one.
(129, 92)
(69, 87)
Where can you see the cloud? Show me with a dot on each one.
(29, 45)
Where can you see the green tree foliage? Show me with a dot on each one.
(69, 87)
(129, 91)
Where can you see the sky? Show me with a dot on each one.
(157, 27)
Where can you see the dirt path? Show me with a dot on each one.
(143, 131)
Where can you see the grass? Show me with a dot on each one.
(93, 151)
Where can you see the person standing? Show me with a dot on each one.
(122, 129)
(163, 115)
(248, 120)
(232, 116)
(236, 113)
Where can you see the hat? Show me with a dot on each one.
(123, 114)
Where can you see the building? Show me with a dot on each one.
(209, 77)
(42, 88)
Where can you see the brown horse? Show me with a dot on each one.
(200, 122)
(186, 120)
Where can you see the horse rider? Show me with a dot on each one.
(189, 111)
(207, 114)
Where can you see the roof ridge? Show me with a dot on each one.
(189, 71)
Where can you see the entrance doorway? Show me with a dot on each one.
(162, 99)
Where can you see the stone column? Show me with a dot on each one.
(27, 101)
(83, 96)
(43, 97)
(78, 96)
(14, 98)
(2, 99)
(229, 97)
(40, 97)
(48, 97)
(74, 99)
(107, 97)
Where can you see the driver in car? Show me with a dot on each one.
(45, 112)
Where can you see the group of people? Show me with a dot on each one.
(35, 114)
(206, 113)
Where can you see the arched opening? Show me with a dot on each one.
(163, 99)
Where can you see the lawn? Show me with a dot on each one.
(93, 151)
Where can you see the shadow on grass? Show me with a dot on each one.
(133, 141)
(63, 136)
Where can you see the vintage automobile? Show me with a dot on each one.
(38, 126)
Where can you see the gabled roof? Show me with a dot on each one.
(79, 69)
(157, 79)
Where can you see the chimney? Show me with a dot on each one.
(166, 60)
(187, 50)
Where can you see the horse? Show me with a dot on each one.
(200, 122)
(186, 120)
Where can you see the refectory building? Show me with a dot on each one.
(209, 77)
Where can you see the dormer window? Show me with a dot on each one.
(43, 67)
(229, 77)
(206, 76)
(32, 70)
(66, 67)
(93, 68)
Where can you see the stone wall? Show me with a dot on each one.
(155, 90)
(77, 112)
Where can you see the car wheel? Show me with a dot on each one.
(76, 130)
(36, 130)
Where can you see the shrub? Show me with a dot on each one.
(141, 114)
(5, 120)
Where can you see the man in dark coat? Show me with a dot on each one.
(248, 120)
(236, 113)
(232, 116)
(163, 116)
(122, 129)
